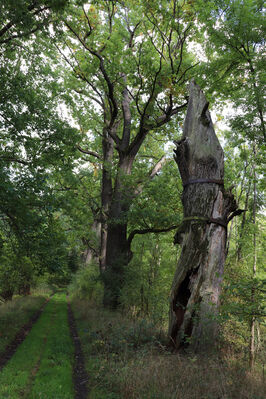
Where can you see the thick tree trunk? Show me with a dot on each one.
(196, 287)
(118, 245)
(118, 256)
(106, 194)
(118, 252)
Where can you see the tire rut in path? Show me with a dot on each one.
(20, 337)
(80, 376)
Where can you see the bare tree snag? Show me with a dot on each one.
(196, 286)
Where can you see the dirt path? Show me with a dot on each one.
(80, 376)
(20, 337)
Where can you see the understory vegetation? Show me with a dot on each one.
(128, 358)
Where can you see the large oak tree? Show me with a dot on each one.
(129, 63)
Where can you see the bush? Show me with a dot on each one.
(16, 275)
(42, 286)
(86, 284)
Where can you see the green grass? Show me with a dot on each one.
(14, 314)
(42, 365)
(127, 359)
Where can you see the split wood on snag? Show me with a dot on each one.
(196, 287)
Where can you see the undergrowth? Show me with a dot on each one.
(128, 359)
(86, 284)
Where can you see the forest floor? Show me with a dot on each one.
(129, 359)
(83, 352)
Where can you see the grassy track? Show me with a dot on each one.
(14, 314)
(42, 365)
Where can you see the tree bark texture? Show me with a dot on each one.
(118, 252)
(196, 287)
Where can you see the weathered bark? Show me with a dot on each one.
(196, 286)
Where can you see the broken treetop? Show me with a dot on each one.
(202, 154)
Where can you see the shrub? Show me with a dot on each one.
(86, 284)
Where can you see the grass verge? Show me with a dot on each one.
(126, 359)
(42, 365)
(14, 314)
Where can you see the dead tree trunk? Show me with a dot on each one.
(197, 282)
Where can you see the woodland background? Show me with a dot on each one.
(93, 95)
